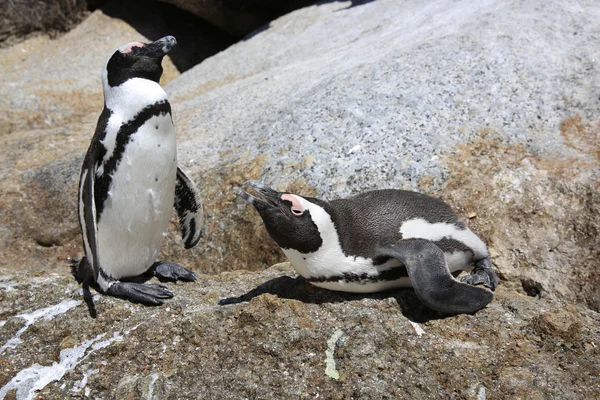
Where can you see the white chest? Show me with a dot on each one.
(140, 200)
(358, 274)
(328, 262)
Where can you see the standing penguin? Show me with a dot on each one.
(377, 241)
(130, 181)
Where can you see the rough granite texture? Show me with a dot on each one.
(266, 335)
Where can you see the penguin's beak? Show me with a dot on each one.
(263, 197)
(159, 48)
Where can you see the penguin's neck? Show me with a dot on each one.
(329, 259)
(133, 95)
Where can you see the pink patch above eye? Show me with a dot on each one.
(295, 202)
(130, 46)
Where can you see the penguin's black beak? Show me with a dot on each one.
(263, 197)
(158, 48)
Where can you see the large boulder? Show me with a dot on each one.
(265, 335)
(492, 107)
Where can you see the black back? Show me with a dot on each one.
(373, 219)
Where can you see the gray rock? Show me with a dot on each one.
(492, 107)
(268, 335)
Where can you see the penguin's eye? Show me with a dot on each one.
(297, 212)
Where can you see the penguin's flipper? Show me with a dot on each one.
(189, 210)
(87, 214)
(431, 279)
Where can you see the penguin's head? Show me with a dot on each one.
(137, 60)
(293, 221)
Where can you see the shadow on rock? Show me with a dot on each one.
(355, 3)
(299, 289)
(196, 38)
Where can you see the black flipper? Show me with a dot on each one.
(87, 213)
(433, 284)
(189, 210)
(171, 272)
(147, 294)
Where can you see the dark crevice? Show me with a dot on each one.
(196, 38)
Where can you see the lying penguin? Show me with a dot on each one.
(130, 181)
(377, 241)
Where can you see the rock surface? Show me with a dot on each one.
(267, 335)
(492, 107)
(54, 83)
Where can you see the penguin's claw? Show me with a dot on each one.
(477, 279)
(172, 272)
(147, 294)
(482, 274)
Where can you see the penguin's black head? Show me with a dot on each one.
(137, 60)
(288, 217)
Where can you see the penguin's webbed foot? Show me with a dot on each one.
(147, 294)
(482, 274)
(172, 272)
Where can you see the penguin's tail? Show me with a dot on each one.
(82, 271)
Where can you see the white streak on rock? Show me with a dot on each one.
(47, 313)
(420, 331)
(79, 385)
(36, 377)
(481, 393)
(151, 386)
(8, 286)
(354, 149)
(330, 370)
